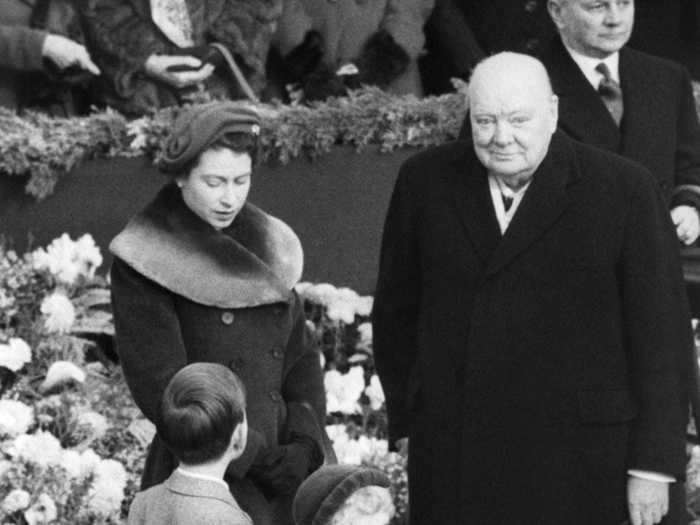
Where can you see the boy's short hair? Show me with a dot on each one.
(201, 407)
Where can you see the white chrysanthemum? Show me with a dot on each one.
(59, 312)
(97, 423)
(17, 499)
(341, 310)
(365, 332)
(15, 354)
(67, 259)
(375, 393)
(43, 511)
(358, 451)
(79, 465)
(5, 466)
(42, 449)
(364, 305)
(62, 372)
(337, 432)
(107, 491)
(343, 391)
(6, 301)
(371, 505)
(15, 417)
(321, 294)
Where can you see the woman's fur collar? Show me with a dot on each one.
(255, 261)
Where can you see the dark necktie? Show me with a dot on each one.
(507, 202)
(610, 92)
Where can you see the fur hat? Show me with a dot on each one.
(321, 495)
(199, 127)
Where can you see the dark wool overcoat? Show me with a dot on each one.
(659, 127)
(20, 48)
(531, 370)
(183, 292)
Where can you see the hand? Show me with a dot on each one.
(65, 52)
(157, 67)
(647, 500)
(402, 446)
(284, 467)
(687, 223)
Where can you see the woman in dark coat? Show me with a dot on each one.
(202, 275)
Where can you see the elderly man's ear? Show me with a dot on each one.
(554, 108)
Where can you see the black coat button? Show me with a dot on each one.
(531, 6)
(275, 396)
(236, 364)
(227, 317)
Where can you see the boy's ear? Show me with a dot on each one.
(240, 437)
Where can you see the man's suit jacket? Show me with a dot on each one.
(182, 500)
(659, 127)
(531, 370)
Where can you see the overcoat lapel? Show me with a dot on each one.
(582, 113)
(638, 113)
(471, 199)
(544, 202)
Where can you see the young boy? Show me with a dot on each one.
(202, 420)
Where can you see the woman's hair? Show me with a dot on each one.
(236, 141)
(370, 505)
(200, 409)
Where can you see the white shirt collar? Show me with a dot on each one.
(201, 476)
(588, 64)
(499, 189)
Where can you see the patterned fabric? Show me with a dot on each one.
(172, 17)
(610, 92)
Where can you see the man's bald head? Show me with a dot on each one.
(513, 113)
(513, 70)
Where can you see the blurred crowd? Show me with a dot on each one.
(66, 56)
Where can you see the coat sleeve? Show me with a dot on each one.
(396, 304)
(148, 338)
(121, 41)
(20, 48)
(658, 336)
(246, 29)
(404, 20)
(303, 388)
(687, 177)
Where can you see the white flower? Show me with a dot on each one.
(107, 492)
(42, 449)
(62, 372)
(6, 301)
(97, 423)
(43, 511)
(80, 465)
(59, 312)
(15, 354)
(67, 259)
(17, 499)
(343, 391)
(355, 451)
(363, 305)
(365, 332)
(321, 294)
(15, 417)
(375, 393)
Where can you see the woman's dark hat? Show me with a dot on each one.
(201, 126)
(321, 495)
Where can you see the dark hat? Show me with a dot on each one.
(199, 127)
(321, 495)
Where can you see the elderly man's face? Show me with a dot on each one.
(512, 124)
(594, 28)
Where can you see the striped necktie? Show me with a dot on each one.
(610, 92)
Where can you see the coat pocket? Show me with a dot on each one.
(606, 406)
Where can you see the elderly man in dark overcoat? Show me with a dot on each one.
(528, 319)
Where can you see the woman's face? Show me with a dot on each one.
(217, 187)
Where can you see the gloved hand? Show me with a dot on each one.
(283, 468)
